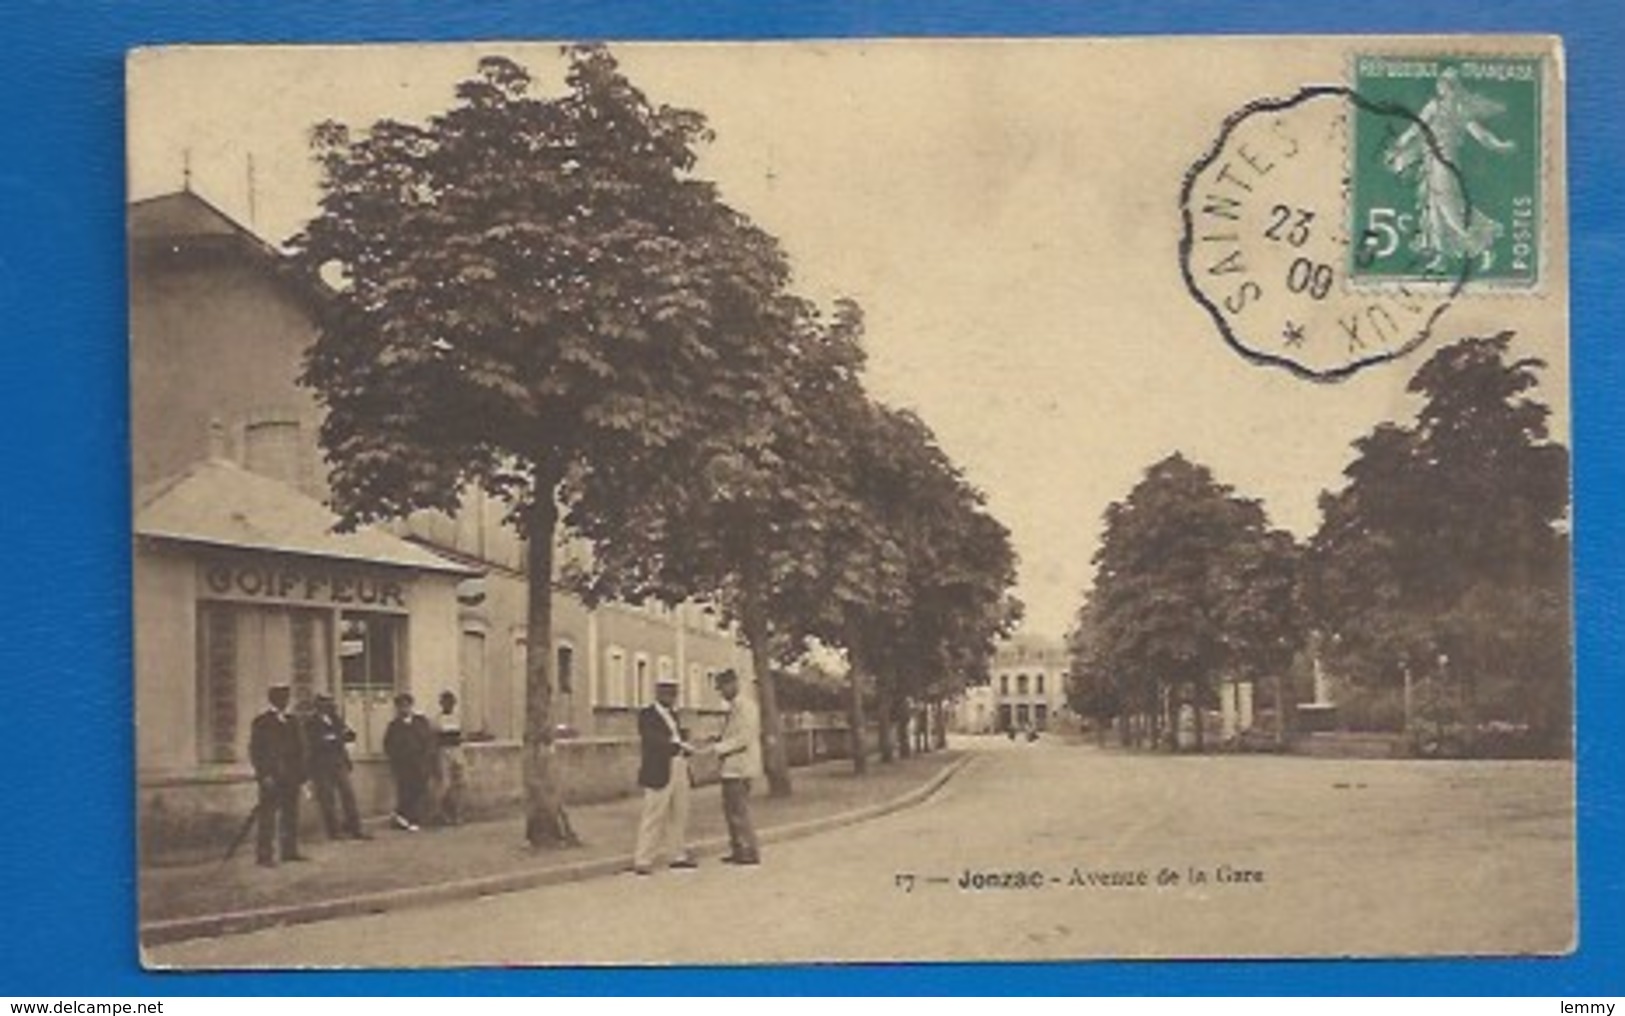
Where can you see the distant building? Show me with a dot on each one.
(975, 712)
(1028, 682)
(240, 580)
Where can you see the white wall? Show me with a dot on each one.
(165, 617)
(433, 634)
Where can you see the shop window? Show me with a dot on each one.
(311, 654)
(218, 701)
(371, 668)
(242, 651)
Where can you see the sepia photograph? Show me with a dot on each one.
(647, 504)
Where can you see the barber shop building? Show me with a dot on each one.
(241, 581)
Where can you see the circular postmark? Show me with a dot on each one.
(1268, 250)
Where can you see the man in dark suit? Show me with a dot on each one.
(663, 775)
(276, 747)
(410, 744)
(328, 737)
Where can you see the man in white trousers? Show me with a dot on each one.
(663, 775)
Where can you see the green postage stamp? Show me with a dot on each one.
(1445, 182)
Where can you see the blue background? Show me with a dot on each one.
(67, 893)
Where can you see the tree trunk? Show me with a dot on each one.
(546, 822)
(883, 705)
(900, 717)
(854, 721)
(775, 763)
(1199, 707)
(1280, 711)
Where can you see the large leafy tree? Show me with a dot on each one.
(1191, 585)
(1449, 541)
(1091, 690)
(961, 601)
(743, 513)
(535, 295)
(943, 566)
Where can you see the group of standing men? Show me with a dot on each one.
(426, 760)
(666, 780)
(287, 751)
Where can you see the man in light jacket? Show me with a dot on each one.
(739, 747)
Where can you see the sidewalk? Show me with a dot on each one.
(404, 869)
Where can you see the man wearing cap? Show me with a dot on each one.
(663, 775)
(739, 747)
(329, 737)
(276, 747)
(409, 743)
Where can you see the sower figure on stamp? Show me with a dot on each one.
(409, 743)
(1448, 223)
(663, 774)
(276, 747)
(329, 737)
(739, 747)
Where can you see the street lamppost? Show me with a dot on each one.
(1405, 671)
(1444, 684)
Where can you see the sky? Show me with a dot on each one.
(1006, 213)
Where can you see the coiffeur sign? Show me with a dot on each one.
(304, 583)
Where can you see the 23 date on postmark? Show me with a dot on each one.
(1331, 230)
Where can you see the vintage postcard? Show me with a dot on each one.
(641, 504)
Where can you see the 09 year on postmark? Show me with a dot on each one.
(1331, 230)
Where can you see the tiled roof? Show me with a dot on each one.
(219, 503)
